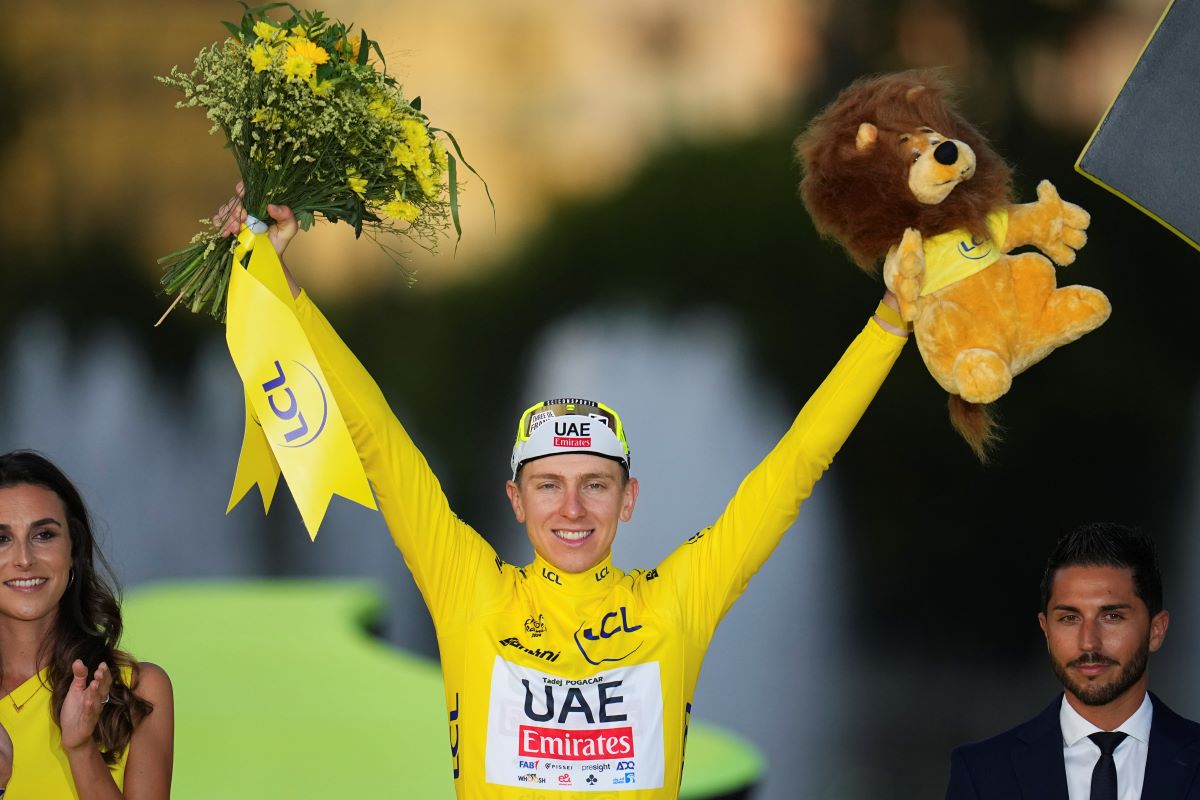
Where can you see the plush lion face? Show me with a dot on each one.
(891, 153)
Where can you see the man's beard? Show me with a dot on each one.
(1100, 695)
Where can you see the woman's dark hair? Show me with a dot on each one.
(88, 626)
(1106, 544)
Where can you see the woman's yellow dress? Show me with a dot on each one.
(40, 767)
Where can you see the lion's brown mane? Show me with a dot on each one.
(861, 199)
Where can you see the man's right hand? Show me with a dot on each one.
(231, 216)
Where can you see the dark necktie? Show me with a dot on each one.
(1104, 776)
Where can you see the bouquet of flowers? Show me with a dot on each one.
(315, 124)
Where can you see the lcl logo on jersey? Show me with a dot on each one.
(299, 403)
(975, 250)
(609, 639)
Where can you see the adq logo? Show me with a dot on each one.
(298, 400)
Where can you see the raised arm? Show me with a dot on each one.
(448, 559)
(712, 568)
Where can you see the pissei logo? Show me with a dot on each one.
(298, 400)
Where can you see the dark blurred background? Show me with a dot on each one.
(649, 243)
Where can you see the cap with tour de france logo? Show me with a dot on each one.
(569, 425)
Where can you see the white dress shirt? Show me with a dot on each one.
(1080, 753)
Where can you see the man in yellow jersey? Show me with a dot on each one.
(569, 675)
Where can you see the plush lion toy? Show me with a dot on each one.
(893, 173)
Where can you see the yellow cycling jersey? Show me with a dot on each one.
(564, 684)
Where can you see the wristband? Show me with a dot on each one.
(892, 317)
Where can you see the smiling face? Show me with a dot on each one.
(35, 552)
(571, 505)
(1100, 634)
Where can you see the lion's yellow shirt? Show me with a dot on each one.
(40, 767)
(952, 256)
(569, 684)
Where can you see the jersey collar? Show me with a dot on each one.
(601, 576)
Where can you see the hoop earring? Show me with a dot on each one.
(71, 578)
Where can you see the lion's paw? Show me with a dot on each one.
(904, 272)
(981, 376)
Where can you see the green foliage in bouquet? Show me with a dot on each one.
(315, 124)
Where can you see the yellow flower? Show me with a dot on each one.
(402, 155)
(426, 183)
(302, 59)
(265, 116)
(260, 57)
(399, 208)
(440, 156)
(414, 133)
(301, 32)
(357, 185)
(306, 49)
(423, 168)
(265, 30)
(319, 88)
(299, 68)
(349, 48)
(380, 108)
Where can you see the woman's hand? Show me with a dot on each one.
(231, 216)
(6, 757)
(82, 705)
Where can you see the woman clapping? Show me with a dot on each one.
(80, 719)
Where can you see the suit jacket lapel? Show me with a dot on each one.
(1039, 765)
(1173, 756)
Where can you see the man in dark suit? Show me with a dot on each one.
(1106, 737)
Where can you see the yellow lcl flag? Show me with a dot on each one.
(292, 420)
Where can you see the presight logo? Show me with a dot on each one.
(292, 393)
